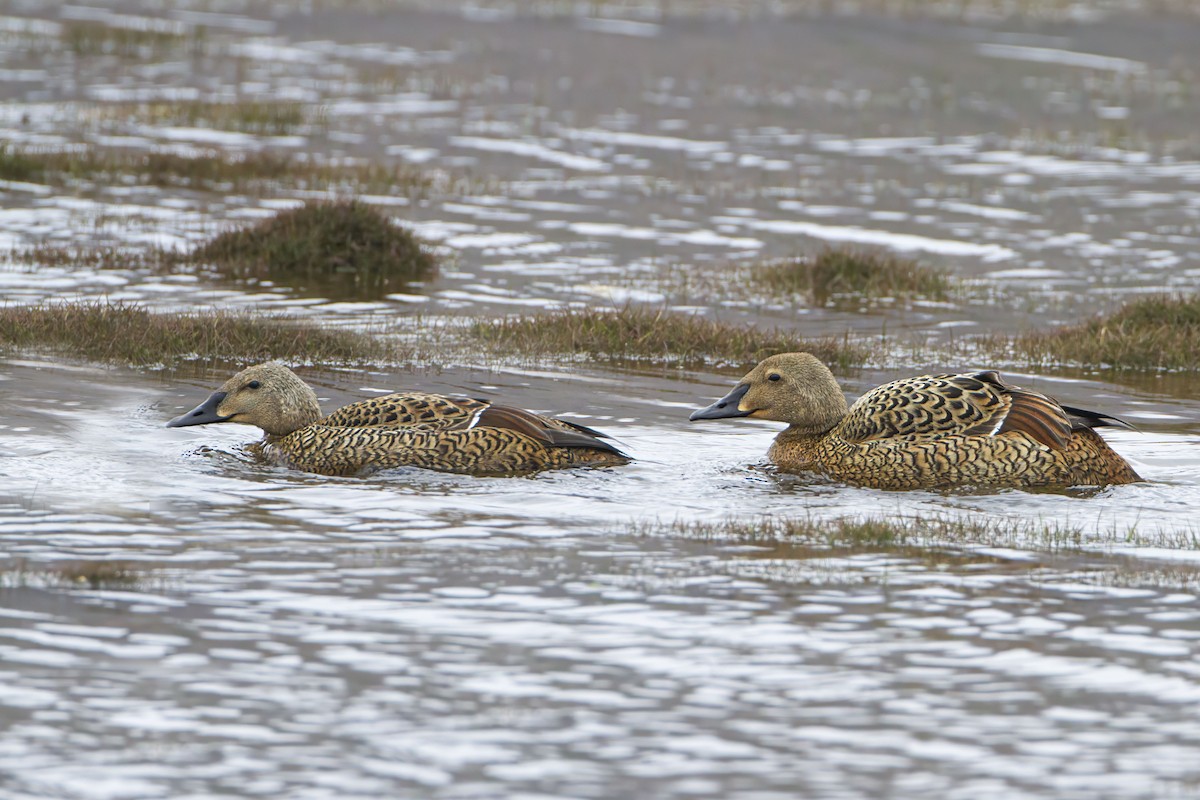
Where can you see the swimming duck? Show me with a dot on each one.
(932, 431)
(403, 429)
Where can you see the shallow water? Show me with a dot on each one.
(427, 635)
(441, 635)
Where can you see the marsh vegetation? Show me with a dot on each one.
(634, 334)
(909, 532)
(86, 38)
(344, 249)
(128, 334)
(260, 117)
(1149, 333)
(116, 575)
(257, 172)
(852, 277)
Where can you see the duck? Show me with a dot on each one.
(403, 429)
(926, 432)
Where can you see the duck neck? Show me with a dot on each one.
(298, 409)
(810, 431)
(796, 447)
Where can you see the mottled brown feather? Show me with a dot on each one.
(416, 408)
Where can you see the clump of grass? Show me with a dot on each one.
(259, 172)
(838, 275)
(18, 165)
(1149, 333)
(99, 257)
(344, 249)
(119, 333)
(247, 116)
(636, 334)
(96, 38)
(152, 168)
(101, 575)
(80, 575)
(884, 533)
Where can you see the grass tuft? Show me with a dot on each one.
(342, 250)
(1149, 333)
(129, 334)
(20, 165)
(119, 333)
(98, 257)
(256, 172)
(839, 275)
(81, 575)
(100, 575)
(95, 38)
(874, 533)
(636, 334)
(267, 118)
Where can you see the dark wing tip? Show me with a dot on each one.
(1082, 418)
(561, 438)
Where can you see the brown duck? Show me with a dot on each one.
(395, 430)
(933, 431)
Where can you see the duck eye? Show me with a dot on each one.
(774, 376)
(253, 385)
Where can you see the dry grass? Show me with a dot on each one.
(82, 575)
(118, 333)
(1149, 333)
(342, 250)
(840, 276)
(102, 257)
(886, 533)
(251, 173)
(246, 116)
(95, 38)
(636, 334)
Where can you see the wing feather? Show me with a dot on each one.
(973, 404)
(548, 431)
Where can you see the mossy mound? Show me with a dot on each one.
(344, 250)
(840, 276)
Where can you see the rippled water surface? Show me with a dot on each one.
(440, 635)
(413, 634)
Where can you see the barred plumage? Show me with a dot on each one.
(415, 429)
(932, 431)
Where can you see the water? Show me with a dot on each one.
(441, 635)
(414, 634)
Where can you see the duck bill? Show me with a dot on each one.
(202, 414)
(727, 406)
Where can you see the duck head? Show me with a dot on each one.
(794, 388)
(269, 395)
